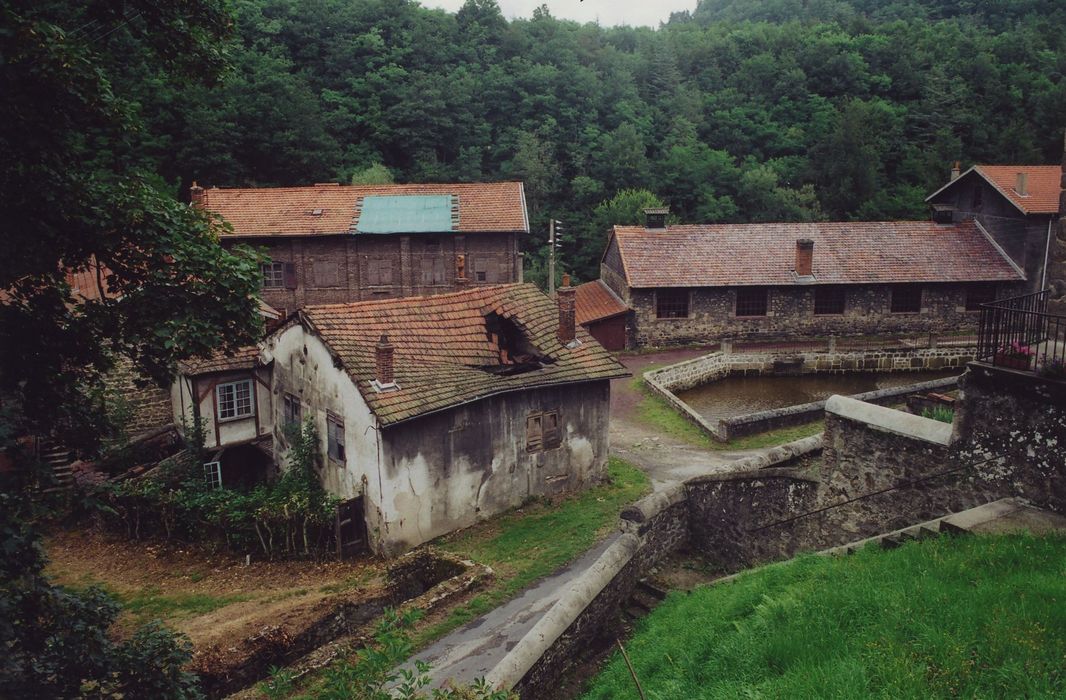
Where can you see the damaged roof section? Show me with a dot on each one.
(450, 349)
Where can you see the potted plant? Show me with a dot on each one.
(1015, 356)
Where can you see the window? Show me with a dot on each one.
(273, 275)
(828, 300)
(291, 411)
(977, 294)
(671, 303)
(234, 400)
(335, 437)
(752, 301)
(542, 431)
(906, 298)
(213, 475)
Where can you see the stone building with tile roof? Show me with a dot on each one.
(1017, 204)
(435, 412)
(701, 283)
(331, 243)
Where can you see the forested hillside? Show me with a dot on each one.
(738, 111)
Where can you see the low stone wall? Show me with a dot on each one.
(700, 370)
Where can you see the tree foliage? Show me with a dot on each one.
(738, 111)
(81, 195)
(56, 642)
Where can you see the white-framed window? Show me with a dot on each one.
(234, 400)
(273, 275)
(335, 437)
(213, 475)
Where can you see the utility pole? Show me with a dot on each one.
(553, 226)
(551, 259)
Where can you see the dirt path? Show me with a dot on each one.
(663, 458)
(214, 598)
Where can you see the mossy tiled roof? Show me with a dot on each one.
(442, 347)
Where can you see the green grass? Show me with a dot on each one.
(533, 541)
(656, 413)
(149, 603)
(977, 617)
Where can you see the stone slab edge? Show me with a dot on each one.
(890, 420)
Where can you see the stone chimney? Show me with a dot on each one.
(804, 257)
(1021, 184)
(655, 218)
(197, 196)
(955, 171)
(383, 357)
(567, 297)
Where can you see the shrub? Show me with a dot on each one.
(56, 642)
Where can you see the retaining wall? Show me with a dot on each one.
(700, 370)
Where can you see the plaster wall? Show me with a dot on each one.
(448, 470)
(304, 367)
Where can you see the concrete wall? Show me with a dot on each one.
(448, 470)
(791, 313)
(334, 269)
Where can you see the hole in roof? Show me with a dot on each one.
(517, 353)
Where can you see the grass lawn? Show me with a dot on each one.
(655, 412)
(533, 541)
(976, 617)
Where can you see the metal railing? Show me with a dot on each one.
(1018, 333)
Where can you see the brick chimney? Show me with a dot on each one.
(1021, 184)
(197, 197)
(804, 257)
(955, 171)
(655, 218)
(383, 356)
(567, 297)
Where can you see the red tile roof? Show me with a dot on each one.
(244, 358)
(596, 301)
(844, 252)
(286, 211)
(441, 341)
(1043, 187)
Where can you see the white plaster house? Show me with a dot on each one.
(437, 411)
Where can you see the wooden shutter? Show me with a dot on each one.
(290, 276)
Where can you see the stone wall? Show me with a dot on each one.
(791, 314)
(1015, 423)
(143, 408)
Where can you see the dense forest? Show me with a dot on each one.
(741, 110)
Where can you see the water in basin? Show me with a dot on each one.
(736, 394)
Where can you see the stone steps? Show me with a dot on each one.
(959, 523)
